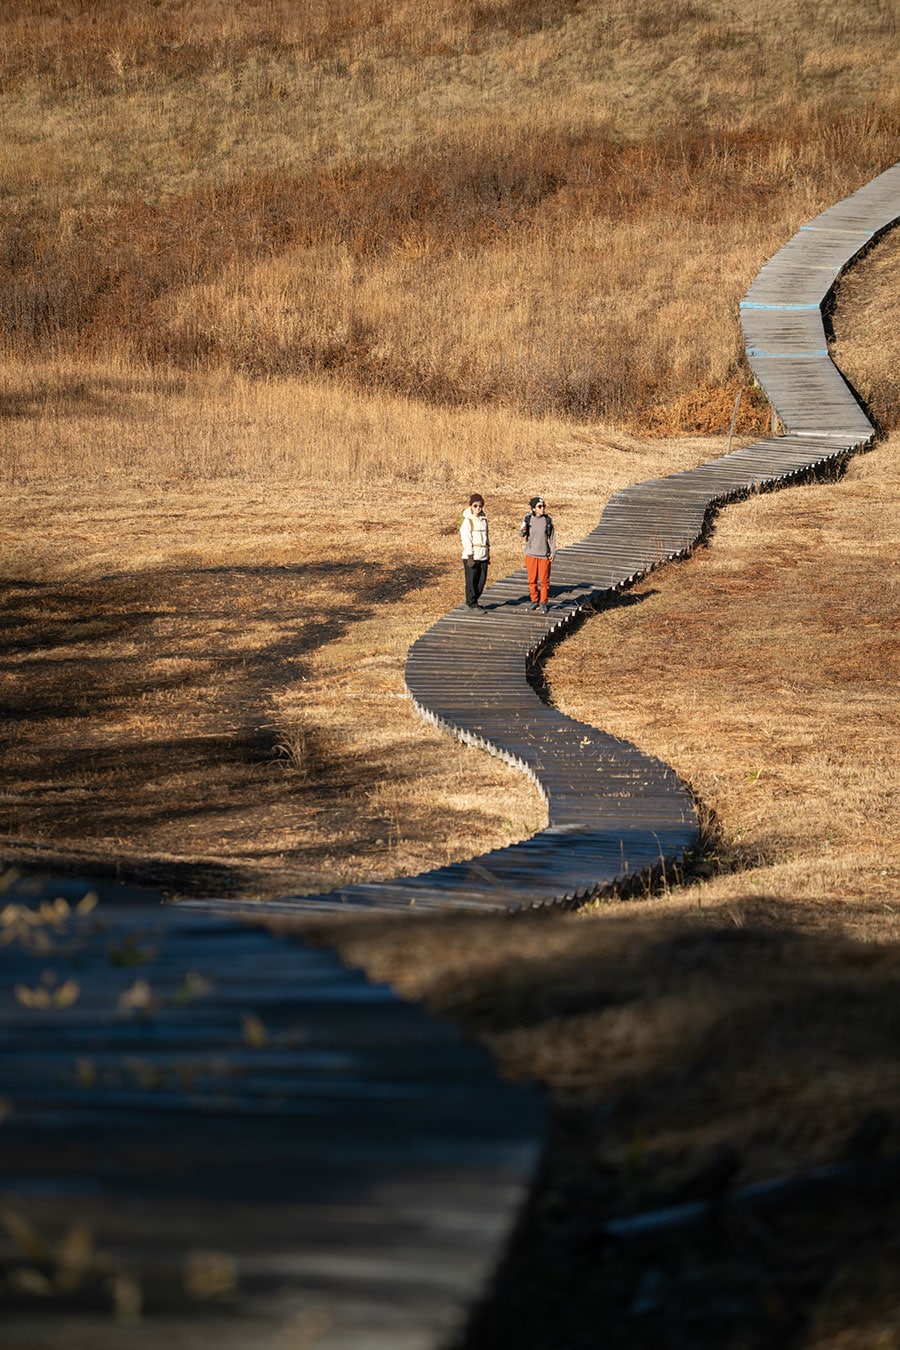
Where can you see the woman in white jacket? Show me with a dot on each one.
(476, 551)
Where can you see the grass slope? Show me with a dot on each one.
(279, 286)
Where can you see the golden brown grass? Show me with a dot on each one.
(357, 259)
(773, 661)
(98, 424)
(552, 274)
(550, 207)
(867, 338)
(744, 1026)
(239, 642)
(765, 671)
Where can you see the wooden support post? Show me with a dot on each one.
(734, 417)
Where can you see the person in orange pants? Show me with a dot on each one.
(540, 550)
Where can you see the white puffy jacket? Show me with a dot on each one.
(474, 535)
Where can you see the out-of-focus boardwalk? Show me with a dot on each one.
(212, 1136)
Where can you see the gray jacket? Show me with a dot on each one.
(539, 535)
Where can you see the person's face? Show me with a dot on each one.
(478, 507)
(539, 508)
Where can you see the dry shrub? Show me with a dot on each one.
(708, 411)
(526, 268)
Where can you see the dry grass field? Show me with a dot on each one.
(552, 207)
(204, 680)
(279, 286)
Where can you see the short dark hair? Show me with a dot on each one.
(476, 497)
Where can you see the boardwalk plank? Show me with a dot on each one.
(340, 1153)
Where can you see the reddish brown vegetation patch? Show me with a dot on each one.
(709, 411)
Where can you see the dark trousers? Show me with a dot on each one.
(476, 576)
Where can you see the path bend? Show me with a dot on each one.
(616, 813)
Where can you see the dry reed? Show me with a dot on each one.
(283, 190)
(257, 256)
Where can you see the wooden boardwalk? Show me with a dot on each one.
(216, 1136)
(213, 1136)
(616, 814)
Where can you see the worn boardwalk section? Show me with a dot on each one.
(215, 1136)
(211, 1136)
(616, 814)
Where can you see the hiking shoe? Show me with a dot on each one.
(476, 609)
(543, 609)
(535, 604)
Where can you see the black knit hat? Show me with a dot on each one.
(534, 501)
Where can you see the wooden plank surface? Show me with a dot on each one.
(215, 1136)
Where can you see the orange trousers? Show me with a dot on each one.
(538, 570)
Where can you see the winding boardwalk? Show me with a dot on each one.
(615, 813)
(213, 1135)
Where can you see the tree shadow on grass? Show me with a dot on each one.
(86, 395)
(758, 1046)
(143, 703)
